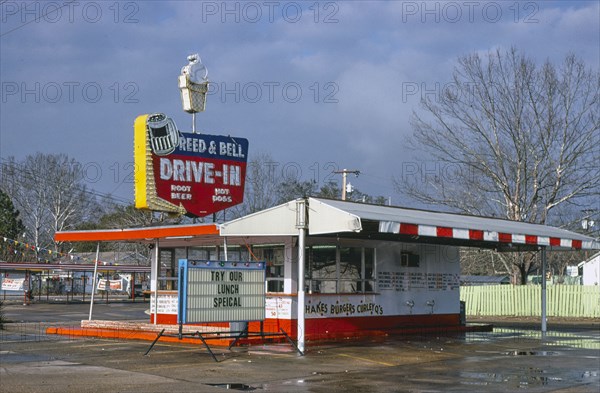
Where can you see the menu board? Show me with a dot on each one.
(406, 281)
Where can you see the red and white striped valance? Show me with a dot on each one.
(485, 236)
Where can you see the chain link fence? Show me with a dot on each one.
(33, 332)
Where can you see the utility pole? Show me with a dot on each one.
(344, 173)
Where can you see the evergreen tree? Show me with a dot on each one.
(11, 227)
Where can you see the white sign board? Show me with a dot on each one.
(219, 291)
(114, 285)
(13, 284)
(165, 304)
(278, 307)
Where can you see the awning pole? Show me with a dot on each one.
(543, 262)
(301, 225)
(94, 281)
(154, 280)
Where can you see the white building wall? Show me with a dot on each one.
(433, 287)
(591, 271)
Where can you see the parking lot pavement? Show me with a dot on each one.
(75, 312)
(508, 359)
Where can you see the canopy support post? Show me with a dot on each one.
(301, 225)
(154, 270)
(543, 263)
(94, 281)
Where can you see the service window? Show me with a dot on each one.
(236, 253)
(340, 269)
(322, 269)
(368, 275)
(202, 253)
(351, 260)
(274, 256)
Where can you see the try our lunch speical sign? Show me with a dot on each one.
(186, 173)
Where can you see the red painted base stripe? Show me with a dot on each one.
(334, 328)
(170, 319)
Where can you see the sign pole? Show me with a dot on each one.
(94, 281)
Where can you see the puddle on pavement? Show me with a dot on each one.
(534, 376)
(531, 353)
(567, 340)
(590, 374)
(233, 386)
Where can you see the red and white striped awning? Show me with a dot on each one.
(464, 228)
(565, 241)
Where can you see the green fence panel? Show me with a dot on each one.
(569, 301)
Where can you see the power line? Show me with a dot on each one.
(36, 19)
(345, 187)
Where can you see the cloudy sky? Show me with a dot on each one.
(318, 85)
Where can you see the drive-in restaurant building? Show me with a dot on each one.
(336, 268)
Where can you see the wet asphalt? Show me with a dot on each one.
(566, 359)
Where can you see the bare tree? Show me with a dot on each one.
(262, 182)
(290, 189)
(50, 192)
(127, 216)
(330, 190)
(69, 201)
(510, 139)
